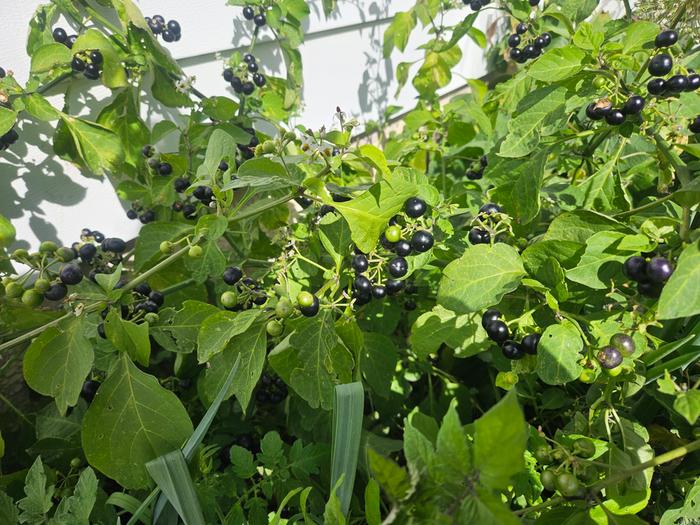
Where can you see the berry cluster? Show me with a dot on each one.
(144, 308)
(661, 65)
(157, 166)
(89, 63)
(96, 252)
(476, 5)
(392, 240)
(532, 49)
(567, 467)
(259, 18)
(650, 275)
(486, 222)
(498, 332)
(245, 77)
(610, 357)
(476, 173)
(171, 32)
(246, 293)
(603, 108)
(60, 36)
(272, 390)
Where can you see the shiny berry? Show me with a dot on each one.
(312, 309)
(259, 19)
(694, 126)
(633, 105)
(422, 241)
(394, 286)
(379, 291)
(659, 269)
(656, 86)
(402, 248)
(232, 275)
(248, 12)
(398, 267)
(489, 316)
(489, 209)
(676, 83)
(71, 274)
(362, 285)
(521, 28)
(515, 54)
(497, 331)
(96, 57)
(530, 342)
(479, 236)
(635, 268)
(666, 38)
(415, 207)
(615, 117)
(660, 65)
(248, 88)
(77, 64)
(259, 80)
(609, 357)
(360, 263)
(114, 245)
(56, 292)
(60, 35)
(624, 343)
(693, 82)
(514, 40)
(512, 350)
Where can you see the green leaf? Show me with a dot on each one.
(172, 475)
(686, 511)
(217, 330)
(379, 358)
(8, 511)
(440, 326)
(76, 508)
(131, 421)
(687, 404)
(113, 73)
(179, 330)
(348, 406)
(453, 453)
(602, 191)
(375, 156)
(558, 64)
(396, 35)
(540, 108)
(164, 89)
(147, 251)
(480, 277)
(500, 438)
(58, 361)
(680, 296)
(250, 346)
(100, 148)
(219, 108)
(40, 27)
(638, 35)
(522, 189)
(211, 262)
(50, 56)
(334, 234)
(108, 281)
(578, 226)
(242, 462)
(372, 503)
(8, 117)
(558, 354)
(436, 71)
(392, 478)
(484, 508)
(7, 232)
(37, 501)
(123, 118)
(128, 337)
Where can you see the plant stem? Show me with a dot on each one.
(647, 206)
(158, 267)
(628, 10)
(178, 286)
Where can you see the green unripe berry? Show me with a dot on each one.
(613, 372)
(588, 473)
(598, 82)
(305, 299)
(151, 317)
(48, 247)
(166, 247)
(393, 234)
(258, 150)
(567, 484)
(195, 251)
(283, 308)
(32, 298)
(41, 285)
(558, 455)
(14, 290)
(583, 448)
(274, 328)
(548, 479)
(20, 253)
(588, 375)
(542, 455)
(229, 299)
(269, 146)
(64, 254)
(75, 462)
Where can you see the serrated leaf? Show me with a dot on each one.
(680, 296)
(76, 508)
(480, 277)
(558, 354)
(37, 501)
(131, 421)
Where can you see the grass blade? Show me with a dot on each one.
(348, 404)
(171, 474)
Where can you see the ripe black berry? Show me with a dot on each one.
(174, 27)
(656, 86)
(633, 105)
(71, 274)
(147, 216)
(248, 88)
(237, 84)
(484, 161)
(521, 28)
(379, 291)
(77, 64)
(660, 65)
(592, 112)
(475, 5)
(189, 211)
(148, 307)
(228, 74)
(131, 214)
(60, 35)
(649, 289)
(203, 194)
(666, 38)
(259, 19)
(232, 275)
(635, 268)
(479, 236)
(676, 83)
(92, 72)
(70, 41)
(474, 174)
(489, 316)
(113, 244)
(533, 3)
(101, 331)
(398, 267)
(168, 36)
(312, 310)
(394, 286)
(147, 151)
(512, 350)
(531, 51)
(609, 357)
(615, 117)
(530, 342)
(497, 331)
(659, 269)
(489, 209)
(402, 248)
(248, 58)
(87, 252)
(165, 168)
(248, 12)
(693, 82)
(547, 38)
(181, 184)
(694, 125)
(259, 80)
(89, 390)
(253, 67)
(56, 292)
(516, 54)
(362, 285)
(415, 207)
(514, 40)
(422, 241)
(360, 263)
(540, 43)
(96, 57)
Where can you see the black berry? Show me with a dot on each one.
(402, 248)
(512, 350)
(660, 65)
(516, 54)
(609, 357)
(56, 292)
(659, 269)
(633, 105)
(87, 252)
(635, 268)
(398, 267)
(514, 40)
(479, 236)
(422, 241)
(666, 38)
(71, 274)
(147, 216)
(677, 83)
(530, 342)
(248, 12)
(694, 125)
(615, 117)
(143, 289)
(113, 244)
(259, 19)
(77, 64)
(656, 86)
(232, 275)
(248, 88)
(497, 331)
(489, 316)
(489, 209)
(60, 35)
(259, 79)
(181, 184)
(92, 72)
(379, 291)
(415, 207)
(394, 286)
(360, 263)
(228, 74)
(521, 28)
(312, 310)
(96, 57)
(165, 168)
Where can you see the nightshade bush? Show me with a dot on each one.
(491, 316)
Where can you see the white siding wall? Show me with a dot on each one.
(47, 198)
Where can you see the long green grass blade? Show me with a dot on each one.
(130, 504)
(348, 405)
(171, 474)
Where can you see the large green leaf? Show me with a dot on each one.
(50, 56)
(396, 35)
(500, 438)
(8, 117)
(522, 189)
(128, 337)
(123, 118)
(99, 147)
(558, 354)
(440, 326)
(178, 330)
(480, 277)
(558, 64)
(217, 330)
(131, 421)
(681, 294)
(58, 361)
